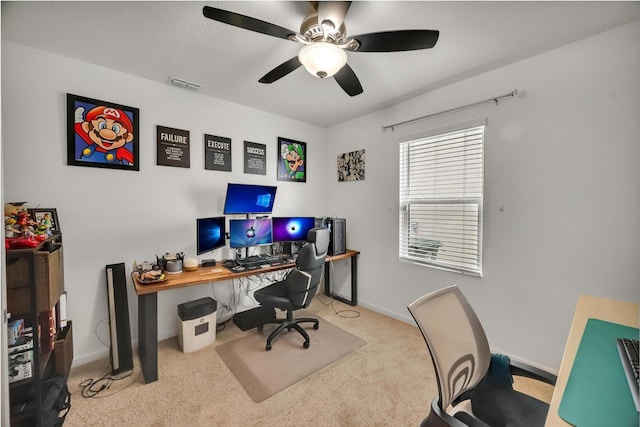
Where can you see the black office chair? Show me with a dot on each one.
(469, 394)
(299, 286)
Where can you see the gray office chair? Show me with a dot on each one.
(468, 395)
(298, 288)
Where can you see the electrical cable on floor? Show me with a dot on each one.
(93, 388)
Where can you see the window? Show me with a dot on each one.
(441, 180)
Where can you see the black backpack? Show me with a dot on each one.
(57, 401)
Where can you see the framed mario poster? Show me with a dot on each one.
(102, 134)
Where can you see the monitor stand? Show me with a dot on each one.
(239, 253)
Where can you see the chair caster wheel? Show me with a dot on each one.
(260, 328)
(316, 326)
(306, 344)
(268, 347)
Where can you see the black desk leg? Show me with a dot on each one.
(327, 279)
(148, 336)
(354, 280)
(354, 283)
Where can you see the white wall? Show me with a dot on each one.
(563, 159)
(111, 216)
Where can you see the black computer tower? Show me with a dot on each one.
(338, 236)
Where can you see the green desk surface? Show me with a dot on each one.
(597, 392)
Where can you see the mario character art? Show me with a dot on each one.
(292, 157)
(106, 131)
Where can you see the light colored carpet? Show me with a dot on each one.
(388, 382)
(264, 373)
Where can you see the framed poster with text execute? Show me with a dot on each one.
(217, 153)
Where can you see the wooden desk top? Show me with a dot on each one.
(623, 313)
(217, 273)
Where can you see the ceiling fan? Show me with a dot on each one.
(325, 42)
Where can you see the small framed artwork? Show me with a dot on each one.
(292, 160)
(351, 166)
(102, 134)
(46, 218)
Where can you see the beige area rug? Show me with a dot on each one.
(264, 373)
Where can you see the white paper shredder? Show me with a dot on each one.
(197, 324)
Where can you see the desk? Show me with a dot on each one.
(623, 313)
(148, 300)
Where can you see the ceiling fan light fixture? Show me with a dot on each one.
(322, 59)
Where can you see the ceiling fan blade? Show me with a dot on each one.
(348, 81)
(396, 41)
(246, 22)
(281, 70)
(333, 11)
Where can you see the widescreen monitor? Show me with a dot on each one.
(244, 233)
(210, 234)
(249, 199)
(292, 229)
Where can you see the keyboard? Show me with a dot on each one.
(258, 260)
(628, 349)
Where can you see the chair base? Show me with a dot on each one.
(288, 324)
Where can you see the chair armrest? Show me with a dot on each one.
(524, 370)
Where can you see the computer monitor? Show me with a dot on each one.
(292, 228)
(210, 233)
(244, 233)
(249, 199)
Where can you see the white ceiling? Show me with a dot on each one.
(156, 40)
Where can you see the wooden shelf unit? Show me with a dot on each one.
(35, 283)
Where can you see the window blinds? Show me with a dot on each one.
(441, 183)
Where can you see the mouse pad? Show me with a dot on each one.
(597, 392)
